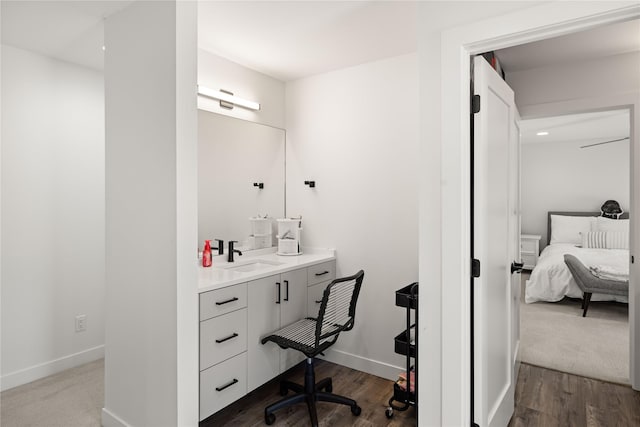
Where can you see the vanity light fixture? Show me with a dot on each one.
(543, 133)
(227, 99)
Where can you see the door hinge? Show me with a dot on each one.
(475, 104)
(475, 268)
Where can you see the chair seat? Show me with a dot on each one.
(301, 336)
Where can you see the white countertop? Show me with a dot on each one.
(219, 276)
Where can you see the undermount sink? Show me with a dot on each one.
(253, 265)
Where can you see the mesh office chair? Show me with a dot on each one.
(312, 336)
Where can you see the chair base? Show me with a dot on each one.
(310, 393)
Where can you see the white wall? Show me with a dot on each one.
(216, 72)
(52, 215)
(561, 176)
(603, 77)
(355, 132)
(151, 374)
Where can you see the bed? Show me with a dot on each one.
(551, 279)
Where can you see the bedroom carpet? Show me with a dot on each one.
(556, 336)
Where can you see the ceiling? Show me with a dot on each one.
(293, 39)
(289, 40)
(587, 128)
(72, 31)
(598, 42)
(284, 39)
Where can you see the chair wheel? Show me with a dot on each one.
(356, 410)
(269, 419)
(389, 412)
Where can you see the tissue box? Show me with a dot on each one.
(260, 226)
(260, 242)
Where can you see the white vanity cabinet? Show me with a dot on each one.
(274, 301)
(223, 347)
(235, 316)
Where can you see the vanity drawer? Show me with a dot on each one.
(222, 337)
(221, 301)
(321, 272)
(222, 384)
(314, 296)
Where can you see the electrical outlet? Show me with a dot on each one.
(81, 322)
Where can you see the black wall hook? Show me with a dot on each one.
(311, 184)
(260, 185)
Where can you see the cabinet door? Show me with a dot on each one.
(263, 318)
(292, 309)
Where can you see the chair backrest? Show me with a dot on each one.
(338, 308)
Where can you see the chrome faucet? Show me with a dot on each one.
(231, 250)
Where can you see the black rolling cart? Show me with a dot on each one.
(405, 393)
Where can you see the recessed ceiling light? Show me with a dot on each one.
(543, 133)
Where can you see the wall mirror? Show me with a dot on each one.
(241, 174)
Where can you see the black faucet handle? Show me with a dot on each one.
(220, 246)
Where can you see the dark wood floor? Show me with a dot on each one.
(543, 398)
(372, 394)
(551, 398)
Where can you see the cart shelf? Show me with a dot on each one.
(403, 343)
(405, 297)
(406, 343)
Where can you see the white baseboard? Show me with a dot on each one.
(42, 370)
(359, 363)
(109, 419)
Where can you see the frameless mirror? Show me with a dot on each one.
(241, 175)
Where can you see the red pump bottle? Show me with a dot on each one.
(206, 254)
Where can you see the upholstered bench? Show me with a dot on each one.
(590, 284)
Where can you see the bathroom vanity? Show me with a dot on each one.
(243, 301)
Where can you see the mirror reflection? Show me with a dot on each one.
(241, 175)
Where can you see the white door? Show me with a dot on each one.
(494, 246)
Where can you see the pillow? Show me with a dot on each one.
(568, 229)
(605, 240)
(608, 224)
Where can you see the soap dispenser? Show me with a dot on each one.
(206, 254)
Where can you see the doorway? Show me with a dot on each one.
(566, 80)
(543, 21)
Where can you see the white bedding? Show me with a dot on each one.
(551, 279)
